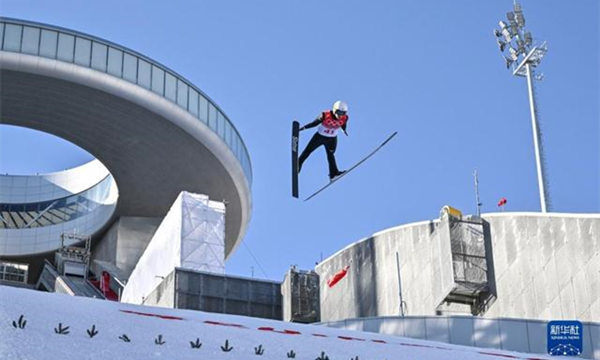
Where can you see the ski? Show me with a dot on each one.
(353, 167)
(295, 134)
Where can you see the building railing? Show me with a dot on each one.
(98, 54)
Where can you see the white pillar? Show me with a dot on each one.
(536, 139)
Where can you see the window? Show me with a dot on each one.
(182, 94)
(13, 271)
(235, 145)
(193, 105)
(203, 109)
(246, 166)
(158, 80)
(115, 61)
(83, 51)
(129, 67)
(212, 117)
(99, 56)
(48, 43)
(66, 45)
(12, 37)
(170, 87)
(228, 133)
(31, 40)
(240, 152)
(221, 125)
(144, 69)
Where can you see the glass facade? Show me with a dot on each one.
(13, 271)
(51, 212)
(84, 50)
(99, 56)
(66, 47)
(31, 40)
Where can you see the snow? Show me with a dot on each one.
(143, 325)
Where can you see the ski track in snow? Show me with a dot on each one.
(143, 325)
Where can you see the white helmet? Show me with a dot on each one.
(339, 108)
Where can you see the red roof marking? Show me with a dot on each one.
(166, 317)
(291, 332)
(266, 328)
(379, 341)
(350, 338)
(224, 324)
(287, 332)
(320, 335)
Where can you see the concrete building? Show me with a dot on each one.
(536, 267)
(198, 290)
(545, 266)
(153, 133)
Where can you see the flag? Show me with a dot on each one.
(338, 276)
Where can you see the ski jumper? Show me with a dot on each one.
(326, 135)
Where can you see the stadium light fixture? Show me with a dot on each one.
(521, 46)
(501, 44)
(519, 18)
(514, 54)
(524, 57)
(528, 38)
(507, 35)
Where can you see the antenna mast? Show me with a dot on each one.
(478, 202)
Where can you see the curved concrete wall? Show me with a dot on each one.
(545, 266)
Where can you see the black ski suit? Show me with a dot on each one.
(330, 142)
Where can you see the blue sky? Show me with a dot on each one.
(428, 69)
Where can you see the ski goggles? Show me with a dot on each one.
(340, 112)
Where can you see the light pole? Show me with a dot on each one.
(524, 57)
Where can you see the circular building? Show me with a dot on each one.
(154, 133)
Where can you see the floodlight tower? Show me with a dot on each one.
(524, 57)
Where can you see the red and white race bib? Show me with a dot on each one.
(329, 132)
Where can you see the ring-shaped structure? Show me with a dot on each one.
(155, 132)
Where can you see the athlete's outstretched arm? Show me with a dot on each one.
(312, 124)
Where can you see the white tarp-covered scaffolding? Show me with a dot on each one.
(191, 236)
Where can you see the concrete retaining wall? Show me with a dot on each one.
(546, 266)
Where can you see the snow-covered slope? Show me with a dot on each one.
(161, 333)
